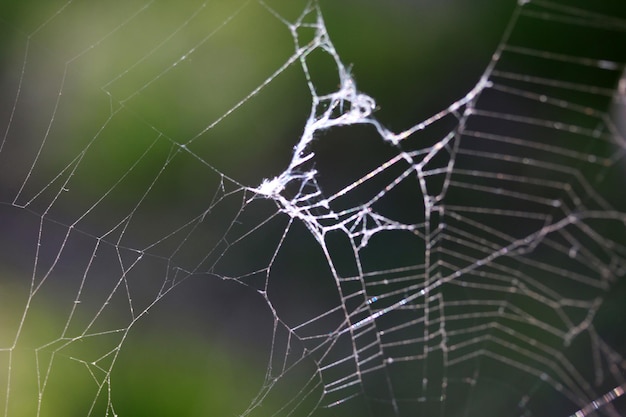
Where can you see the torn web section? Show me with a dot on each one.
(518, 242)
(355, 208)
(472, 259)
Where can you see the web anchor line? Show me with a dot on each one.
(600, 402)
(387, 265)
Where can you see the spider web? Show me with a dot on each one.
(470, 264)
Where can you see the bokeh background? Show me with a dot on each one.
(110, 88)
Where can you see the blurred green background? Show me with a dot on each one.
(109, 90)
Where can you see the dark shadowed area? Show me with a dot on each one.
(172, 245)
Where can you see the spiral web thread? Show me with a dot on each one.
(514, 225)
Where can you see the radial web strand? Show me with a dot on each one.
(205, 212)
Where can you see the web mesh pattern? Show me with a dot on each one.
(475, 260)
